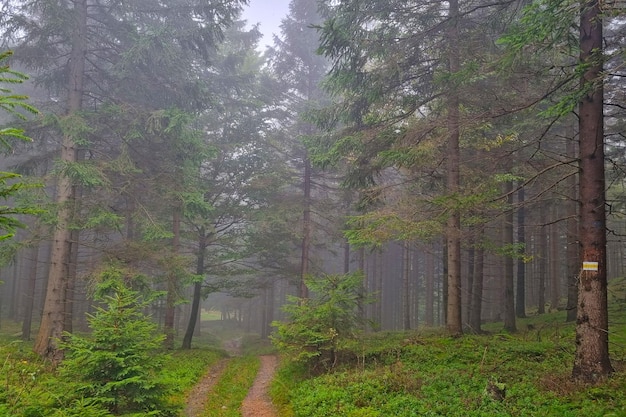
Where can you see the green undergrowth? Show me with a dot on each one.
(31, 387)
(184, 368)
(427, 374)
(225, 399)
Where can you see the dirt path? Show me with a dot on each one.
(198, 396)
(257, 403)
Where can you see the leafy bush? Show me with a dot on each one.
(116, 365)
(319, 326)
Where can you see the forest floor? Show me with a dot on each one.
(198, 395)
(256, 404)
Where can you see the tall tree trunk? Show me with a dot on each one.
(197, 291)
(442, 308)
(429, 287)
(477, 287)
(543, 265)
(471, 257)
(572, 255)
(509, 279)
(28, 298)
(454, 322)
(53, 317)
(172, 285)
(520, 295)
(555, 265)
(346, 256)
(591, 361)
(378, 271)
(269, 308)
(406, 290)
(306, 229)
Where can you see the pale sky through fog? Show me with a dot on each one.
(269, 14)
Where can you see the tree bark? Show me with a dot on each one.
(406, 291)
(572, 240)
(520, 295)
(555, 265)
(454, 322)
(509, 279)
(306, 229)
(197, 291)
(29, 294)
(429, 287)
(477, 287)
(591, 360)
(172, 285)
(53, 317)
(543, 265)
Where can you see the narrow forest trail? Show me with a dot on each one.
(196, 401)
(257, 403)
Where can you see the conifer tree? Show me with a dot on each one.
(106, 54)
(296, 63)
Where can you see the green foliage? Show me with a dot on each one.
(419, 374)
(82, 407)
(319, 326)
(116, 365)
(547, 30)
(83, 173)
(10, 184)
(20, 375)
(182, 369)
(31, 387)
(545, 26)
(100, 217)
(76, 126)
(12, 103)
(375, 229)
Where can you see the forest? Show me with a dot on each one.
(416, 207)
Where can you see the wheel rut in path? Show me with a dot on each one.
(198, 396)
(258, 403)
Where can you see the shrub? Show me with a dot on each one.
(115, 366)
(320, 325)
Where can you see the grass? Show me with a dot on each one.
(184, 368)
(30, 387)
(399, 374)
(496, 374)
(227, 395)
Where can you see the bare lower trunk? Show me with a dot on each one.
(555, 265)
(406, 294)
(29, 295)
(520, 295)
(591, 361)
(53, 317)
(306, 230)
(572, 241)
(453, 231)
(477, 287)
(509, 279)
(172, 286)
(197, 291)
(543, 262)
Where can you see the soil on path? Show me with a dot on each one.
(257, 403)
(198, 396)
